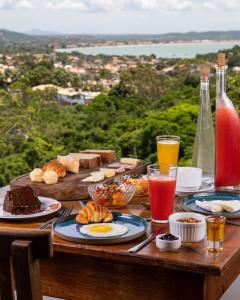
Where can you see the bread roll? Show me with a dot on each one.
(50, 177)
(36, 175)
(56, 166)
(70, 163)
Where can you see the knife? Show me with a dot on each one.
(146, 241)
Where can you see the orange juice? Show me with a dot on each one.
(167, 151)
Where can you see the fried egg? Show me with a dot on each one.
(104, 229)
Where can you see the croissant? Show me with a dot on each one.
(93, 213)
(56, 166)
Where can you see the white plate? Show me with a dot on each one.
(206, 187)
(48, 206)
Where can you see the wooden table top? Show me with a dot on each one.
(192, 257)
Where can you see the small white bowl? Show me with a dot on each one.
(168, 245)
(189, 232)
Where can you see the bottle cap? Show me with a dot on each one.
(221, 60)
(204, 71)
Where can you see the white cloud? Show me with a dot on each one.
(208, 5)
(13, 4)
(67, 4)
(231, 4)
(167, 5)
(106, 5)
(25, 4)
(82, 5)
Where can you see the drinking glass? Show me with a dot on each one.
(215, 233)
(162, 186)
(168, 149)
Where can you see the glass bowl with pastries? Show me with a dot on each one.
(137, 180)
(112, 195)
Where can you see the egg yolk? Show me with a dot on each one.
(101, 228)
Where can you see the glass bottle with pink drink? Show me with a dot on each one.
(227, 172)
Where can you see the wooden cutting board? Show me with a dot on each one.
(71, 186)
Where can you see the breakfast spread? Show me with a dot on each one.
(219, 205)
(93, 213)
(86, 159)
(21, 201)
(104, 230)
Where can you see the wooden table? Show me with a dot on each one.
(108, 272)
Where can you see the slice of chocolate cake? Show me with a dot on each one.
(21, 201)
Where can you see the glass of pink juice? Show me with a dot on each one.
(162, 186)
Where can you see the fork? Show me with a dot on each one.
(64, 213)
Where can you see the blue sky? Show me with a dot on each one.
(120, 16)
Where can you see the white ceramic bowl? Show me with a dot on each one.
(168, 245)
(189, 232)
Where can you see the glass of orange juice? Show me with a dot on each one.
(168, 149)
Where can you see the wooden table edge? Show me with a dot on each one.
(135, 258)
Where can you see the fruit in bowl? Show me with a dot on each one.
(114, 195)
(139, 181)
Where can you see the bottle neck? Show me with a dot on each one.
(221, 82)
(204, 90)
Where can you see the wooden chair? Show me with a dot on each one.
(20, 252)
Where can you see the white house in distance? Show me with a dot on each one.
(69, 95)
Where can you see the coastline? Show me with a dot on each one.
(161, 43)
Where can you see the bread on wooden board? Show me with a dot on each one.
(88, 161)
(56, 166)
(107, 156)
(71, 163)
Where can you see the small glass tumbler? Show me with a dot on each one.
(215, 233)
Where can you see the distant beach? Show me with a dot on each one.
(165, 50)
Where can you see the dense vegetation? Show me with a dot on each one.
(146, 103)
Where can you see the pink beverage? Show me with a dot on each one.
(227, 147)
(227, 169)
(162, 193)
(162, 188)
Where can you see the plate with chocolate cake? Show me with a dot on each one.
(22, 204)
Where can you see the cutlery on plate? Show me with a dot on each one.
(65, 212)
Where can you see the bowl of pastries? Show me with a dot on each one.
(113, 195)
(140, 182)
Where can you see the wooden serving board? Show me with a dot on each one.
(71, 187)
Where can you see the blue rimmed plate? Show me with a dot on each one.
(68, 229)
(188, 203)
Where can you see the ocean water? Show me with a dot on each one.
(173, 50)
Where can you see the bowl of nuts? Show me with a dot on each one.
(191, 227)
